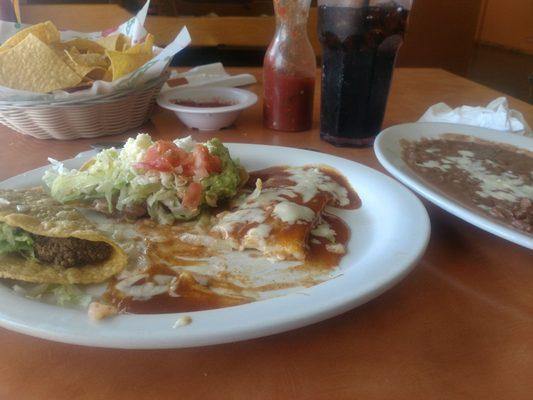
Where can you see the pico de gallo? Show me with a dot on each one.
(167, 180)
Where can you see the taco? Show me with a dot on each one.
(44, 241)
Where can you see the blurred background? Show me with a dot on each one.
(488, 41)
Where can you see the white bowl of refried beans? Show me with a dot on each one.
(482, 176)
(207, 108)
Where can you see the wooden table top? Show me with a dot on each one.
(459, 326)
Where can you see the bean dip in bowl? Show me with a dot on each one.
(482, 176)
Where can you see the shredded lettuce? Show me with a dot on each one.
(31, 290)
(65, 295)
(15, 240)
(112, 176)
(62, 295)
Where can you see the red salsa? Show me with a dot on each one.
(288, 100)
(203, 104)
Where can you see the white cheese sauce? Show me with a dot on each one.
(504, 186)
(311, 180)
(291, 213)
(324, 230)
(307, 183)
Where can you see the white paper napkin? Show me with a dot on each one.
(496, 115)
(210, 75)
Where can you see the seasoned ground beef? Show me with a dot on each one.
(129, 212)
(69, 252)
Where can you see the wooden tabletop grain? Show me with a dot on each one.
(459, 326)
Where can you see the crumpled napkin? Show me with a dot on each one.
(496, 115)
(207, 75)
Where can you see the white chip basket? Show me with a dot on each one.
(101, 115)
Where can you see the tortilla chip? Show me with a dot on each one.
(32, 65)
(45, 31)
(108, 76)
(73, 51)
(124, 63)
(80, 69)
(97, 74)
(85, 45)
(44, 216)
(115, 42)
(92, 65)
(144, 47)
(92, 59)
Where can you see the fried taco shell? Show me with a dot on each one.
(67, 248)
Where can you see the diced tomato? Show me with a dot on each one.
(201, 156)
(165, 156)
(215, 164)
(205, 163)
(193, 196)
(188, 165)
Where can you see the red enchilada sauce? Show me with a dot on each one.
(279, 176)
(319, 256)
(192, 296)
(195, 291)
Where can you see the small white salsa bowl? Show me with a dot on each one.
(207, 108)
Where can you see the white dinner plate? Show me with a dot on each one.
(389, 234)
(388, 151)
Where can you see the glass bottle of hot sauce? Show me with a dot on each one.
(289, 70)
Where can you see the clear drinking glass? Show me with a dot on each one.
(289, 70)
(360, 40)
(7, 11)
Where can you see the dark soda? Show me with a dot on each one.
(359, 47)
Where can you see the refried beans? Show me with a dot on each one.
(492, 178)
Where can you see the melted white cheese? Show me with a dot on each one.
(276, 202)
(290, 212)
(466, 153)
(258, 233)
(140, 292)
(309, 181)
(163, 279)
(230, 220)
(197, 240)
(336, 248)
(256, 237)
(324, 230)
(505, 186)
(434, 164)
